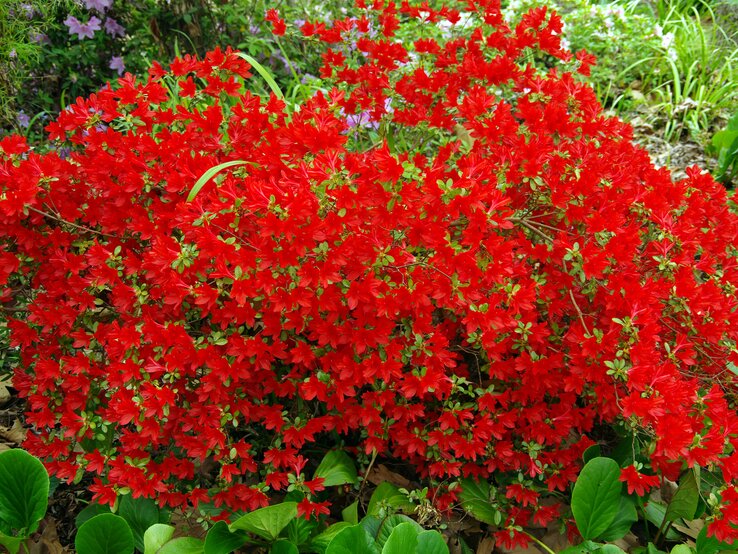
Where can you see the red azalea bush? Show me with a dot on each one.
(478, 290)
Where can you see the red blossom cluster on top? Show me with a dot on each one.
(473, 292)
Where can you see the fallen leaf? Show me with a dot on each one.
(381, 474)
(48, 541)
(486, 546)
(15, 434)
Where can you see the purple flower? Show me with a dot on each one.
(82, 30)
(99, 5)
(116, 63)
(23, 119)
(13, 53)
(29, 10)
(113, 28)
(38, 38)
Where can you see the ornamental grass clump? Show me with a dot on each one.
(482, 284)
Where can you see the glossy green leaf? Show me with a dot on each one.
(596, 497)
(337, 468)
(591, 453)
(24, 493)
(104, 534)
(320, 542)
(431, 542)
(388, 524)
(387, 494)
(655, 512)
(156, 536)
(268, 522)
(182, 545)
(140, 514)
(402, 540)
(354, 539)
(221, 540)
(283, 546)
(90, 511)
(681, 549)
(585, 547)
(209, 174)
(298, 530)
(350, 513)
(624, 520)
(475, 499)
(685, 500)
(609, 549)
(11, 543)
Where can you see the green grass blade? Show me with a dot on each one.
(209, 174)
(264, 72)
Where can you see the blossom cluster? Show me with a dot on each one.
(88, 28)
(474, 286)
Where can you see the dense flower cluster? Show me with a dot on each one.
(472, 285)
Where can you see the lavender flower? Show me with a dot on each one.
(116, 63)
(38, 38)
(99, 5)
(82, 30)
(28, 9)
(13, 53)
(23, 120)
(113, 28)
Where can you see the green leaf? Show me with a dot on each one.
(655, 512)
(681, 549)
(710, 545)
(624, 520)
(11, 543)
(24, 493)
(209, 174)
(337, 468)
(268, 522)
(684, 502)
(220, 540)
(140, 513)
(475, 499)
(156, 536)
(354, 539)
(431, 542)
(595, 500)
(265, 75)
(104, 534)
(609, 549)
(283, 546)
(182, 545)
(402, 540)
(350, 513)
(591, 453)
(388, 494)
(583, 548)
(320, 542)
(299, 530)
(388, 524)
(90, 511)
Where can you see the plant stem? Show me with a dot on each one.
(538, 542)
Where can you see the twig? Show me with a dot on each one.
(65, 222)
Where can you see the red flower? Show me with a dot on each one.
(308, 509)
(278, 25)
(637, 482)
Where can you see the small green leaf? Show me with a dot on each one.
(624, 520)
(283, 546)
(591, 453)
(596, 497)
(24, 493)
(389, 495)
(609, 549)
(299, 530)
(11, 543)
(320, 542)
(684, 502)
(337, 468)
(681, 549)
(267, 522)
(431, 542)
(402, 540)
(104, 534)
(220, 540)
(90, 511)
(475, 499)
(140, 513)
(156, 536)
(354, 539)
(182, 545)
(387, 526)
(350, 513)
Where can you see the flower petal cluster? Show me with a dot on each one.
(472, 287)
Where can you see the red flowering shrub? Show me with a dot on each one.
(472, 287)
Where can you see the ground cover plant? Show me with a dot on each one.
(442, 254)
